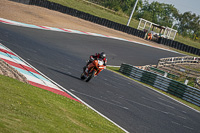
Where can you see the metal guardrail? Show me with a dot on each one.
(178, 60)
(168, 85)
(173, 63)
(161, 72)
(183, 71)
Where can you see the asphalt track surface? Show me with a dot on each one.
(133, 106)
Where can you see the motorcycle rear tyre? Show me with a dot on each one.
(83, 76)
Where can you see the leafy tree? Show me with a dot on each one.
(160, 13)
(189, 24)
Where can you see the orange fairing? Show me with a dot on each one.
(96, 65)
(90, 66)
(95, 62)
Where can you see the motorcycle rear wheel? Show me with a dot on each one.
(83, 76)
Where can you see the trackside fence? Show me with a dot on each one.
(178, 60)
(85, 16)
(170, 86)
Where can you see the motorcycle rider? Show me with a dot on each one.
(97, 56)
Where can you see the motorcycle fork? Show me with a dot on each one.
(92, 70)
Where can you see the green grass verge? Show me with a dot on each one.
(97, 11)
(25, 108)
(116, 70)
(187, 41)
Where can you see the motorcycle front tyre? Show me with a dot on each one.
(91, 75)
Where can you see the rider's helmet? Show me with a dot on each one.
(102, 55)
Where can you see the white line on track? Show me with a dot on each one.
(188, 127)
(176, 123)
(182, 117)
(99, 99)
(110, 85)
(158, 102)
(182, 125)
(141, 104)
(116, 101)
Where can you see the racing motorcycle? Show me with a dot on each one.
(92, 70)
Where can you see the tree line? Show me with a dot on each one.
(187, 24)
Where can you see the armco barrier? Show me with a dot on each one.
(85, 16)
(168, 85)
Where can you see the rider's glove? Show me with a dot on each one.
(91, 58)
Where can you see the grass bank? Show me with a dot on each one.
(187, 41)
(25, 108)
(116, 69)
(97, 10)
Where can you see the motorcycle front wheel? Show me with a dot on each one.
(90, 76)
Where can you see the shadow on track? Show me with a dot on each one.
(55, 69)
(67, 74)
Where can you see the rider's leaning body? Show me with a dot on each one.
(97, 56)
